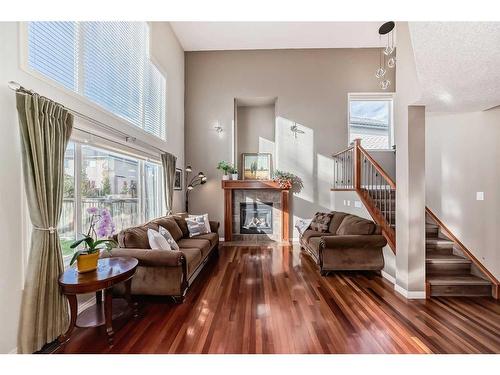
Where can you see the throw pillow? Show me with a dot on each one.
(207, 222)
(321, 222)
(165, 233)
(157, 241)
(302, 225)
(198, 224)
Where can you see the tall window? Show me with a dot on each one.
(106, 62)
(370, 118)
(93, 177)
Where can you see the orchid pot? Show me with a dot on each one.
(94, 241)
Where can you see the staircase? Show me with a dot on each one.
(451, 269)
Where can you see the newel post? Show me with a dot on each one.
(357, 164)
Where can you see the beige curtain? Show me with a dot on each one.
(45, 128)
(168, 162)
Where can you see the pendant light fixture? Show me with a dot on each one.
(386, 29)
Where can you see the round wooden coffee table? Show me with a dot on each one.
(109, 272)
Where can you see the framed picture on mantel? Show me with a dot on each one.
(256, 166)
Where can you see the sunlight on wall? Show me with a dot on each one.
(296, 155)
(324, 181)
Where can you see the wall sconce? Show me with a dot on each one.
(295, 130)
(219, 129)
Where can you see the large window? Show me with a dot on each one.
(93, 177)
(106, 62)
(370, 118)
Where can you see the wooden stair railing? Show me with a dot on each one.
(356, 170)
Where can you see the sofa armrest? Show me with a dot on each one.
(149, 257)
(214, 226)
(353, 241)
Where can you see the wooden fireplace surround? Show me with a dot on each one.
(230, 185)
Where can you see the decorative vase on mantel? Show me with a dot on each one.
(234, 176)
(225, 177)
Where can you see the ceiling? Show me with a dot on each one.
(458, 64)
(208, 36)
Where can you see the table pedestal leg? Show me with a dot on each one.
(128, 297)
(108, 314)
(73, 306)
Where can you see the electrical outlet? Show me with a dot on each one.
(480, 196)
(357, 204)
(348, 203)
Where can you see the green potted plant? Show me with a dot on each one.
(234, 174)
(87, 257)
(226, 168)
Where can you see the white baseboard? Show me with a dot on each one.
(409, 294)
(388, 277)
(13, 351)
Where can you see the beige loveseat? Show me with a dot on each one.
(351, 243)
(165, 272)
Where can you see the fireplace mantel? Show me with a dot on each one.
(230, 185)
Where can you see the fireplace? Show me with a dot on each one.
(256, 218)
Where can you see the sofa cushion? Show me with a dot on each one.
(191, 243)
(309, 233)
(135, 237)
(355, 225)
(212, 237)
(337, 219)
(181, 222)
(170, 224)
(321, 222)
(193, 259)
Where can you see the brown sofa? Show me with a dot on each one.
(165, 272)
(351, 243)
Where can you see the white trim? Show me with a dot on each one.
(388, 277)
(13, 351)
(409, 294)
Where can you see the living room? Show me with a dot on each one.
(200, 183)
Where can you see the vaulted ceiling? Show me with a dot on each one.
(206, 36)
(458, 64)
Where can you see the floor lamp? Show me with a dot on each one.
(199, 179)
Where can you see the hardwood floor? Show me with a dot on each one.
(271, 299)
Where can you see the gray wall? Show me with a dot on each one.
(462, 157)
(311, 87)
(255, 129)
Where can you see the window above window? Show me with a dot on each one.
(370, 119)
(106, 62)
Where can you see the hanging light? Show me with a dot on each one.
(384, 85)
(386, 29)
(391, 63)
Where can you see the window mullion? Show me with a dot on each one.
(78, 198)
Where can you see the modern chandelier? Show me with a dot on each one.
(386, 54)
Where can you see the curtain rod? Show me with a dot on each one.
(13, 85)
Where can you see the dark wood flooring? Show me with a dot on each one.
(271, 299)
